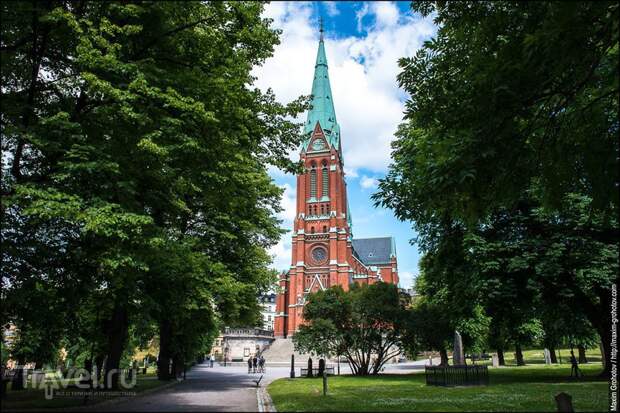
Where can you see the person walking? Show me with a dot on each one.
(255, 362)
(261, 364)
(249, 364)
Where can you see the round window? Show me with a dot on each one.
(319, 254)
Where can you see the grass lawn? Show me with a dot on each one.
(35, 398)
(529, 388)
(537, 356)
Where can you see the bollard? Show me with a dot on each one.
(324, 383)
(564, 402)
(292, 366)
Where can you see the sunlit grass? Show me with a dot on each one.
(530, 388)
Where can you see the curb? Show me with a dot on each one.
(265, 404)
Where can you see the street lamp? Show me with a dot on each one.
(226, 350)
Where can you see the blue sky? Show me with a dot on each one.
(363, 42)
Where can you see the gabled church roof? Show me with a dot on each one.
(372, 251)
(322, 110)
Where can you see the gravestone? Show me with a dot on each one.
(547, 356)
(564, 402)
(495, 360)
(458, 358)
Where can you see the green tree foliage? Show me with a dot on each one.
(507, 93)
(363, 324)
(135, 155)
(510, 133)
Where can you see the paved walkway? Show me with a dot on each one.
(222, 389)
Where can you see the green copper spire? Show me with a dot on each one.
(322, 110)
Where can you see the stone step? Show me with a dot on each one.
(280, 350)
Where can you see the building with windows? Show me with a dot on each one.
(324, 251)
(268, 311)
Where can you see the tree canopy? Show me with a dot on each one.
(135, 154)
(510, 139)
(363, 324)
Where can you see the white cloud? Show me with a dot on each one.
(331, 7)
(367, 182)
(386, 13)
(281, 252)
(350, 173)
(406, 279)
(359, 16)
(369, 105)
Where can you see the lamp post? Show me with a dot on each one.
(226, 350)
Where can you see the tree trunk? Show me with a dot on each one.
(163, 361)
(519, 355)
(605, 333)
(600, 317)
(552, 355)
(117, 327)
(582, 354)
(500, 357)
(18, 380)
(177, 367)
(99, 364)
(443, 353)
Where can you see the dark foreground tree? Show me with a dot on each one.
(132, 134)
(514, 110)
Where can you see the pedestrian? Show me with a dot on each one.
(255, 362)
(261, 364)
(574, 367)
(250, 365)
(211, 361)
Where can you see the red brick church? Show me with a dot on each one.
(325, 253)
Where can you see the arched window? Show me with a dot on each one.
(324, 228)
(325, 182)
(313, 180)
(322, 209)
(312, 230)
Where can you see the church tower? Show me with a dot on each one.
(323, 250)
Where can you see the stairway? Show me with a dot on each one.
(280, 351)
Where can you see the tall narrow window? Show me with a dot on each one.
(313, 182)
(325, 176)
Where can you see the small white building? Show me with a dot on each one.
(268, 311)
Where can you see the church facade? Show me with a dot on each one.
(324, 252)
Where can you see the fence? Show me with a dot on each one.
(315, 371)
(456, 375)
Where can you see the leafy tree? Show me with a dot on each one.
(363, 324)
(428, 327)
(127, 128)
(514, 113)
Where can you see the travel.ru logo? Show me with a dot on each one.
(79, 382)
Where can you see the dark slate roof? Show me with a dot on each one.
(371, 251)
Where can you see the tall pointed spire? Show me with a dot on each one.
(322, 110)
